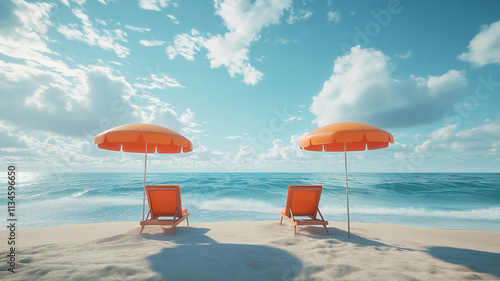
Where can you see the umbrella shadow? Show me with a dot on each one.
(225, 262)
(478, 261)
(342, 236)
(199, 257)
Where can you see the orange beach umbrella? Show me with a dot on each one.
(143, 138)
(346, 136)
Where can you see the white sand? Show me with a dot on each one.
(252, 251)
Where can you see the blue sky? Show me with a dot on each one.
(245, 80)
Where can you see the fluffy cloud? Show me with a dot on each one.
(23, 29)
(155, 81)
(484, 48)
(244, 20)
(362, 89)
(294, 118)
(186, 45)
(50, 101)
(45, 102)
(151, 43)
(407, 55)
(154, 5)
(79, 2)
(333, 16)
(301, 15)
(173, 19)
(482, 139)
(138, 29)
(488, 131)
(87, 33)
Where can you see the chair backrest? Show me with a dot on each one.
(164, 200)
(303, 200)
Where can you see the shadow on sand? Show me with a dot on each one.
(484, 262)
(198, 257)
(341, 235)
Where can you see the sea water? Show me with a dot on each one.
(436, 200)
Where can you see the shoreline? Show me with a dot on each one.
(252, 250)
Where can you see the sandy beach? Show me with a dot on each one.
(263, 250)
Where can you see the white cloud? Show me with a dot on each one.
(484, 48)
(482, 139)
(173, 19)
(23, 28)
(293, 118)
(333, 16)
(235, 137)
(244, 20)
(105, 2)
(51, 112)
(79, 2)
(186, 45)
(285, 41)
(151, 43)
(444, 134)
(301, 15)
(489, 130)
(407, 55)
(115, 62)
(43, 94)
(154, 5)
(138, 29)
(286, 151)
(160, 81)
(362, 89)
(87, 33)
(102, 22)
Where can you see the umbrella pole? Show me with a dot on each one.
(347, 193)
(144, 189)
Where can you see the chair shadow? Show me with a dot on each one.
(479, 261)
(184, 235)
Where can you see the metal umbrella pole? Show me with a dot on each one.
(347, 193)
(144, 189)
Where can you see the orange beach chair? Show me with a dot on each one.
(302, 201)
(164, 201)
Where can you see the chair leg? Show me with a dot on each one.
(142, 228)
(187, 219)
(294, 230)
(326, 230)
(174, 230)
(281, 220)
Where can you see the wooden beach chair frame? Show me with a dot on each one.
(178, 214)
(288, 214)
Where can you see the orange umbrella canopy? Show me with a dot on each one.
(356, 136)
(133, 138)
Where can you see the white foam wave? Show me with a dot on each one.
(231, 204)
(76, 203)
(492, 213)
(81, 193)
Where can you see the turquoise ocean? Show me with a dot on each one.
(435, 200)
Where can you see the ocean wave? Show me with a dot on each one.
(231, 204)
(492, 213)
(77, 203)
(78, 194)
